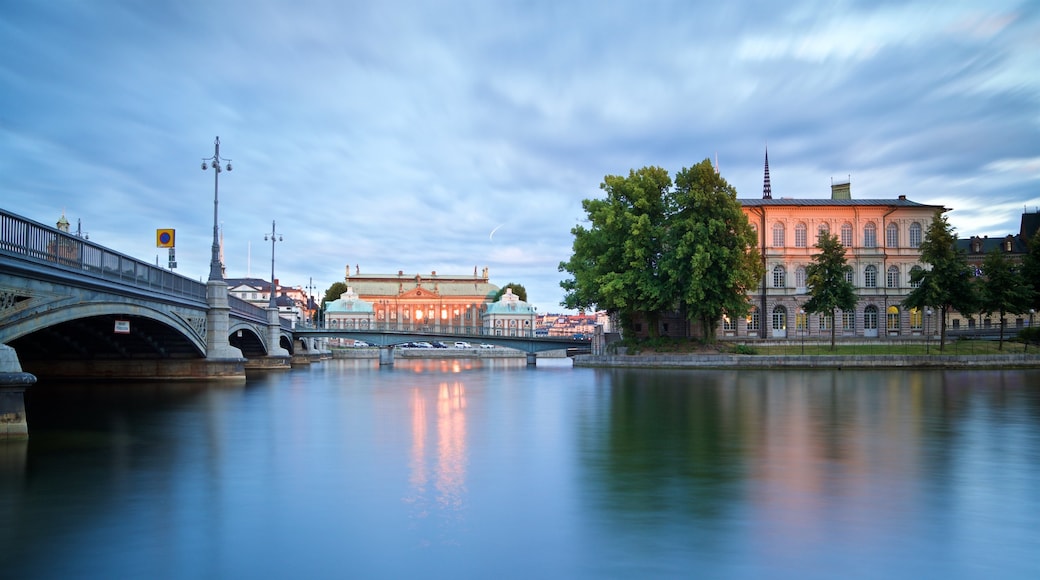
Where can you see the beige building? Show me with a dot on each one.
(882, 238)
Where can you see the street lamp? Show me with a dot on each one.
(927, 331)
(1029, 336)
(803, 325)
(214, 164)
(274, 239)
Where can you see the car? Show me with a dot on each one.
(439, 345)
(361, 344)
(486, 345)
(423, 345)
(462, 344)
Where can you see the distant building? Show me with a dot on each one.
(425, 302)
(509, 316)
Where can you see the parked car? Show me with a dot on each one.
(361, 344)
(423, 345)
(486, 345)
(439, 344)
(462, 344)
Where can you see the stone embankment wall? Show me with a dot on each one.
(723, 361)
(440, 353)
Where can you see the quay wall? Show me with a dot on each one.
(736, 361)
(435, 353)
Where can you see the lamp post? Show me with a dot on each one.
(274, 238)
(214, 164)
(1029, 336)
(803, 325)
(928, 330)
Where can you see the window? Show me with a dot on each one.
(778, 235)
(825, 322)
(892, 319)
(752, 319)
(848, 321)
(915, 235)
(799, 277)
(779, 318)
(870, 235)
(870, 277)
(850, 276)
(870, 318)
(799, 236)
(914, 281)
(801, 321)
(779, 276)
(846, 234)
(823, 228)
(728, 323)
(915, 319)
(892, 236)
(892, 277)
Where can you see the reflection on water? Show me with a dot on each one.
(491, 469)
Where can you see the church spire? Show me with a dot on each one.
(767, 190)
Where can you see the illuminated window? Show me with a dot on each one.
(916, 319)
(892, 319)
(848, 321)
(752, 319)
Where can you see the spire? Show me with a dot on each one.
(716, 163)
(767, 190)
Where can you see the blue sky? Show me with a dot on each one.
(398, 135)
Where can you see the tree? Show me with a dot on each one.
(616, 261)
(947, 284)
(517, 289)
(1031, 270)
(1003, 289)
(827, 280)
(712, 257)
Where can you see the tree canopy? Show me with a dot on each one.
(517, 289)
(649, 248)
(827, 280)
(1003, 289)
(947, 284)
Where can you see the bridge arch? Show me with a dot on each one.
(163, 332)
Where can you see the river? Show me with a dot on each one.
(491, 469)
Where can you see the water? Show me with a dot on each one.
(466, 469)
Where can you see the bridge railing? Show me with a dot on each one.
(55, 248)
(251, 311)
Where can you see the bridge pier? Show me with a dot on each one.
(386, 356)
(218, 323)
(13, 422)
(276, 355)
(532, 359)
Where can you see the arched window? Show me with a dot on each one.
(778, 235)
(779, 318)
(892, 319)
(870, 276)
(824, 228)
(892, 236)
(850, 276)
(892, 277)
(870, 235)
(846, 234)
(870, 318)
(779, 277)
(728, 323)
(914, 281)
(915, 235)
(800, 235)
(799, 277)
(915, 319)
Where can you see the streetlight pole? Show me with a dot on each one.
(803, 325)
(927, 331)
(1029, 336)
(274, 238)
(215, 270)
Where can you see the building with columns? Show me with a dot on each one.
(882, 239)
(431, 302)
(509, 316)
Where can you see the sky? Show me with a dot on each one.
(422, 136)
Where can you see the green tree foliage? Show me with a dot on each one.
(616, 260)
(1003, 289)
(1031, 270)
(827, 282)
(518, 289)
(947, 284)
(333, 293)
(712, 257)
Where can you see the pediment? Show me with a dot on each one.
(419, 293)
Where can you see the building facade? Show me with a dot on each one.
(509, 316)
(882, 239)
(433, 302)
